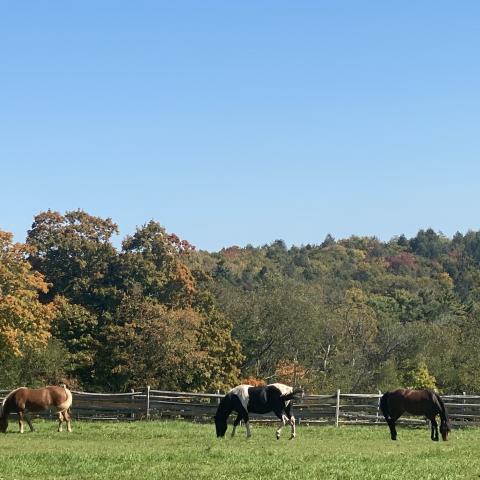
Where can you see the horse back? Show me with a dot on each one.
(265, 399)
(38, 399)
(415, 402)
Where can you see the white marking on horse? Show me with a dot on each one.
(284, 389)
(241, 391)
(283, 421)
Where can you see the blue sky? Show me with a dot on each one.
(242, 122)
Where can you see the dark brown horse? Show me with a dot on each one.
(417, 402)
(24, 400)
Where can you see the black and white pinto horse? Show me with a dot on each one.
(245, 399)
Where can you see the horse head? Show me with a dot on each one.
(220, 425)
(3, 423)
(444, 429)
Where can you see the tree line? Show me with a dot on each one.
(358, 314)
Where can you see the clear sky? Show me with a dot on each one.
(236, 122)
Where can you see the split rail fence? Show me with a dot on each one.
(339, 408)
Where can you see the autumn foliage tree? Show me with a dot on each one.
(24, 320)
(77, 328)
(74, 253)
(148, 343)
(132, 316)
(356, 313)
(151, 265)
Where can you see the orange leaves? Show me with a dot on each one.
(24, 321)
(289, 372)
(149, 343)
(253, 381)
(152, 344)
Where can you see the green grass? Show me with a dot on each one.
(183, 450)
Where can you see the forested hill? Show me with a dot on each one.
(357, 314)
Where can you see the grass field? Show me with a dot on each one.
(182, 450)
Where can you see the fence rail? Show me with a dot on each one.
(338, 408)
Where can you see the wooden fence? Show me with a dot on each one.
(339, 408)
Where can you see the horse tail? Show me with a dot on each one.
(291, 395)
(68, 402)
(437, 400)
(384, 405)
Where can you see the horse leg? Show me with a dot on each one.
(434, 433)
(393, 430)
(68, 419)
(60, 421)
(247, 425)
(21, 416)
(283, 419)
(235, 424)
(292, 424)
(29, 421)
(291, 420)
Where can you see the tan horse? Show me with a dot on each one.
(24, 400)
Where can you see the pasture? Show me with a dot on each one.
(182, 450)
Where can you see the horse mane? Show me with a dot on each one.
(2, 407)
(223, 407)
(384, 405)
(437, 399)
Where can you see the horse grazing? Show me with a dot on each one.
(24, 400)
(245, 399)
(417, 402)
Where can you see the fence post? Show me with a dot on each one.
(218, 399)
(132, 404)
(378, 404)
(337, 408)
(148, 402)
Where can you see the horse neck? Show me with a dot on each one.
(8, 404)
(224, 408)
(6, 407)
(441, 407)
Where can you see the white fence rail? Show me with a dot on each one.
(338, 408)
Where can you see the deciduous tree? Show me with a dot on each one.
(24, 320)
